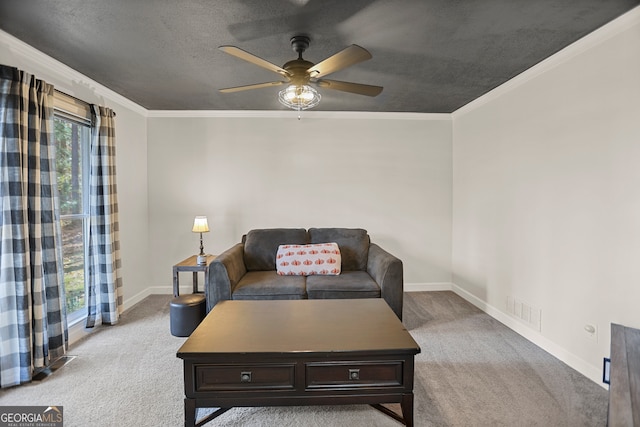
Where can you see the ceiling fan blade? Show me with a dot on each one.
(357, 88)
(249, 87)
(249, 57)
(343, 59)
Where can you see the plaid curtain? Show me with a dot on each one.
(33, 325)
(105, 281)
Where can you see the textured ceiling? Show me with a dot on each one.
(431, 56)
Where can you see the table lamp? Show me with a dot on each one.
(200, 226)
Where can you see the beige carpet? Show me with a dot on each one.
(473, 371)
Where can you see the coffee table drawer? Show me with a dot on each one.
(353, 374)
(244, 377)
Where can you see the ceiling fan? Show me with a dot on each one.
(300, 73)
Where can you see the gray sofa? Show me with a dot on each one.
(247, 270)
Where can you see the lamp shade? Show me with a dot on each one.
(200, 225)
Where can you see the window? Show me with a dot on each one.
(72, 133)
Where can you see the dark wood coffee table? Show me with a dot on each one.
(303, 352)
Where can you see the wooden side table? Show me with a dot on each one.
(191, 264)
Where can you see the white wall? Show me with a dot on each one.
(131, 151)
(390, 176)
(546, 199)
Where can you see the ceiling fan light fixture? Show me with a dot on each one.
(299, 97)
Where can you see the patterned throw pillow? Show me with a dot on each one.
(308, 260)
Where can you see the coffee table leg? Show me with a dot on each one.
(189, 412)
(407, 409)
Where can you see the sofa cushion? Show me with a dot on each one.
(268, 285)
(350, 284)
(307, 260)
(261, 245)
(353, 243)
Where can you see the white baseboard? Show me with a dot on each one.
(428, 287)
(130, 302)
(589, 371)
(168, 290)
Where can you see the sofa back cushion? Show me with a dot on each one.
(353, 244)
(261, 245)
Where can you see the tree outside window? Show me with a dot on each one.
(72, 151)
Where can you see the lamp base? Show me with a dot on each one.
(201, 260)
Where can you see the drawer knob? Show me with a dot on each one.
(245, 377)
(354, 374)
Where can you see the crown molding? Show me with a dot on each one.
(590, 41)
(68, 75)
(304, 115)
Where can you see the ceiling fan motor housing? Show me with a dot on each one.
(298, 71)
(297, 68)
(300, 44)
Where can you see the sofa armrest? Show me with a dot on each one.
(386, 270)
(224, 274)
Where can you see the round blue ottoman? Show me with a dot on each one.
(186, 312)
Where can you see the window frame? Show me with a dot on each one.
(78, 112)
